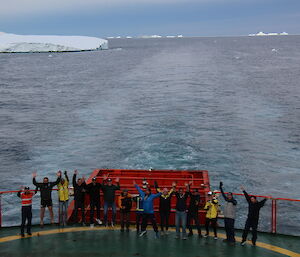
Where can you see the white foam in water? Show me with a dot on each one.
(33, 43)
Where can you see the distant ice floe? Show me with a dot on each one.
(268, 34)
(11, 43)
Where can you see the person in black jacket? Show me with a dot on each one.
(79, 195)
(253, 216)
(181, 209)
(193, 212)
(125, 204)
(165, 206)
(109, 191)
(46, 195)
(94, 192)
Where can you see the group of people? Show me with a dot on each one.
(185, 213)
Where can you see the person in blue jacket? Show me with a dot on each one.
(148, 214)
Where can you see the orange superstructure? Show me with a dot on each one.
(164, 178)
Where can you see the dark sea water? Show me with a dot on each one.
(228, 105)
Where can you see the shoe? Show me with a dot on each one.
(92, 225)
(206, 235)
(190, 234)
(99, 222)
(29, 234)
(216, 238)
(22, 235)
(156, 235)
(243, 243)
(83, 224)
(142, 233)
(112, 224)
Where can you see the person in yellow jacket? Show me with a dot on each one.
(212, 210)
(63, 198)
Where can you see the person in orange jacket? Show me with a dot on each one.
(26, 196)
(125, 204)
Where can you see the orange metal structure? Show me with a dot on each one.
(164, 178)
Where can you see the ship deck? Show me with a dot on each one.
(100, 241)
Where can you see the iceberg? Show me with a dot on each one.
(11, 43)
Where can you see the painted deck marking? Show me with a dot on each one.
(78, 229)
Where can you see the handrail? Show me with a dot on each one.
(240, 194)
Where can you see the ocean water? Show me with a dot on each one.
(228, 105)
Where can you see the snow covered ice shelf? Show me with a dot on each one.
(11, 43)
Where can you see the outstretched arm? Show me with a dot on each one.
(74, 179)
(246, 194)
(66, 175)
(262, 203)
(222, 192)
(141, 192)
(58, 174)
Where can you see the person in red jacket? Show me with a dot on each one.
(26, 195)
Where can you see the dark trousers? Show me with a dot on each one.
(213, 223)
(151, 217)
(26, 215)
(193, 215)
(79, 204)
(250, 224)
(229, 228)
(125, 219)
(94, 204)
(164, 220)
(138, 220)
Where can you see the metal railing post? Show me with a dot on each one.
(274, 216)
(0, 211)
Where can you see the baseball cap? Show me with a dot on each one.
(26, 188)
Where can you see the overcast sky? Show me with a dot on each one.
(147, 17)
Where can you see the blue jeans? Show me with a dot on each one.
(113, 208)
(180, 217)
(63, 207)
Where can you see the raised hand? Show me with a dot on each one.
(75, 172)
(34, 174)
(66, 173)
(174, 184)
(58, 173)
(221, 184)
(242, 188)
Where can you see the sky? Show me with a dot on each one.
(103, 18)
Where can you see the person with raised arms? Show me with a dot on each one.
(63, 198)
(46, 195)
(181, 210)
(254, 207)
(94, 191)
(109, 192)
(193, 212)
(229, 215)
(26, 195)
(165, 206)
(79, 196)
(212, 211)
(148, 213)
